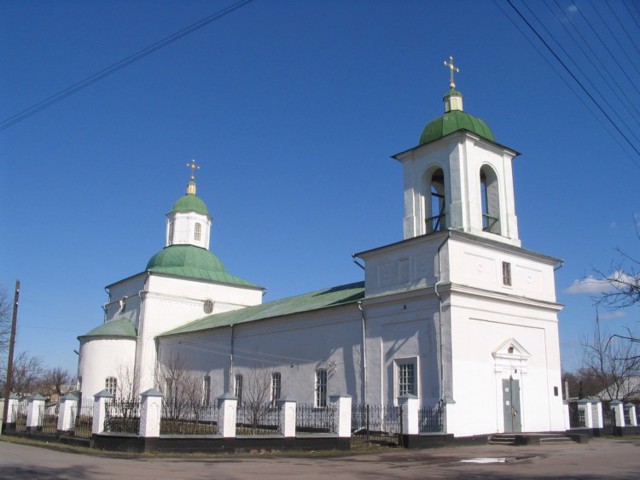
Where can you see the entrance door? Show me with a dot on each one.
(511, 405)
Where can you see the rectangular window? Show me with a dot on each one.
(111, 385)
(276, 381)
(407, 378)
(506, 274)
(237, 388)
(321, 388)
(206, 390)
(197, 233)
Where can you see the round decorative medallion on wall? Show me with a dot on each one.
(208, 306)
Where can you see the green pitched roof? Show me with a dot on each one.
(192, 262)
(190, 203)
(453, 121)
(330, 297)
(113, 328)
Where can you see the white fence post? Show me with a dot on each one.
(100, 411)
(287, 413)
(585, 406)
(596, 411)
(410, 408)
(150, 407)
(35, 411)
(633, 420)
(68, 409)
(567, 415)
(227, 415)
(342, 404)
(12, 412)
(618, 408)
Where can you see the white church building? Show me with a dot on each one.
(455, 313)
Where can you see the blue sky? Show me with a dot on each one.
(293, 109)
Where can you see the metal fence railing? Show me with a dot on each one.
(380, 424)
(257, 419)
(189, 419)
(122, 416)
(310, 419)
(20, 415)
(431, 419)
(81, 421)
(47, 420)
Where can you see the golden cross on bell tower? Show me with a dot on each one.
(192, 165)
(452, 68)
(191, 187)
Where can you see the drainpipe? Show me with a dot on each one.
(435, 289)
(231, 359)
(363, 358)
(559, 266)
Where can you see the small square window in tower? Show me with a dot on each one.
(506, 274)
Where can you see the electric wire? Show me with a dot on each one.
(613, 35)
(580, 84)
(119, 65)
(603, 68)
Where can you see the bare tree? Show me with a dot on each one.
(27, 374)
(54, 381)
(609, 362)
(5, 321)
(182, 390)
(257, 404)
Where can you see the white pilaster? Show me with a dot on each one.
(618, 408)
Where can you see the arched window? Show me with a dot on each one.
(490, 199)
(197, 232)
(435, 205)
(170, 239)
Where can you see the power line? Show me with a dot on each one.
(580, 84)
(105, 72)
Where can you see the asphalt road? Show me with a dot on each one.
(599, 459)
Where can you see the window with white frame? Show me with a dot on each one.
(111, 385)
(407, 377)
(197, 231)
(321, 388)
(237, 388)
(206, 390)
(276, 384)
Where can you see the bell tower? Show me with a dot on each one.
(459, 177)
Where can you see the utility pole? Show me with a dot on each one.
(12, 342)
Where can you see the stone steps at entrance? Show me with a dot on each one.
(529, 439)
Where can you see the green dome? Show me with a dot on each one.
(185, 256)
(453, 121)
(191, 262)
(190, 203)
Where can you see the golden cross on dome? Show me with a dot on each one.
(452, 68)
(192, 165)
